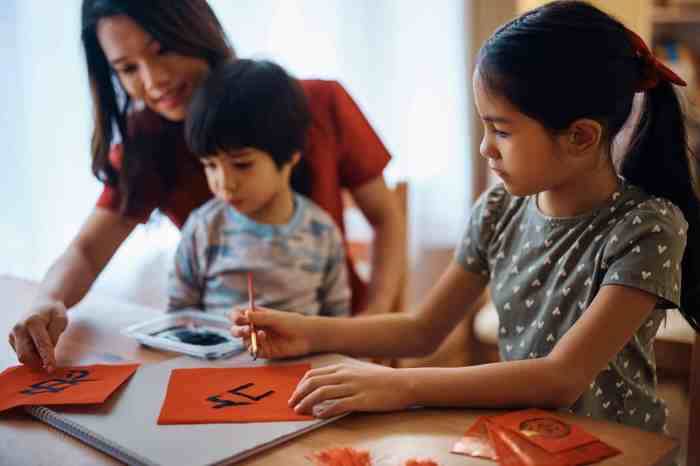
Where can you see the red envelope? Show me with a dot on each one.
(476, 441)
(545, 429)
(21, 385)
(514, 450)
(240, 394)
(510, 438)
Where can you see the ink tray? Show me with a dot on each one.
(195, 333)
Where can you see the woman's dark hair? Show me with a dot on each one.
(187, 27)
(248, 103)
(568, 60)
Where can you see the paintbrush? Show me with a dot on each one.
(251, 304)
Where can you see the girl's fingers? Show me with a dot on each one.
(239, 318)
(335, 407)
(240, 331)
(308, 385)
(326, 394)
(320, 371)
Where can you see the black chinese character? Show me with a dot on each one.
(56, 385)
(222, 403)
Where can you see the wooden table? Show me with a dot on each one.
(93, 336)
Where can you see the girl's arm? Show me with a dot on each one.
(556, 380)
(66, 282)
(283, 334)
(381, 208)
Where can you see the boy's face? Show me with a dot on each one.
(248, 180)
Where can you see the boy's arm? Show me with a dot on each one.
(334, 295)
(185, 279)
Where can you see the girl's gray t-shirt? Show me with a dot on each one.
(545, 272)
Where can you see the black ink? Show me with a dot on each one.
(223, 403)
(192, 335)
(57, 385)
(250, 397)
(201, 337)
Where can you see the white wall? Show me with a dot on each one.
(405, 63)
(47, 189)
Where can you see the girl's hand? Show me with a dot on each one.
(279, 334)
(333, 390)
(34, 337)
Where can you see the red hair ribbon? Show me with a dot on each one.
(653, 71)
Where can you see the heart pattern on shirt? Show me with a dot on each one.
(570, 264)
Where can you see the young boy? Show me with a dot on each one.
(246, 124)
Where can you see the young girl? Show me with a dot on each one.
(581, 261)
(144, 61)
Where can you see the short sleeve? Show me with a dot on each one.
(472, 250)
(185, 281)
(111, 199)
(645, 251)
(362, 155)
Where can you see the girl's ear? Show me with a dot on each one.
(584, 135)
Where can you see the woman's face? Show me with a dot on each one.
(164, 80)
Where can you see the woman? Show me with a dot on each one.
(159, 51)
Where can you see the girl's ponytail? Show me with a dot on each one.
(659, 161)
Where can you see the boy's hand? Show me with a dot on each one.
(329, 391)
(34, 337)
(280, 334)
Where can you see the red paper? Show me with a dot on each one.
(589, 453)
(22, 386)
(240, 394)
(510, 440)
(342, 457)
(476, 441)
(514, 450)
(545, 429)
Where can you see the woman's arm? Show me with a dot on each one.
(382, 210)
(556, 380)
(72, 275)
(67, 281)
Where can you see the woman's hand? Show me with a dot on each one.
(34, 338)
(279, 334)
(333, 390)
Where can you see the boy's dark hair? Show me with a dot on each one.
(568, 60)
(248, 103)
(188, 27)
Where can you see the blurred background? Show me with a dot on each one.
(405, 63)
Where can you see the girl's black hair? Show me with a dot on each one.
(248, 103)
(568, 60)
(188, 27)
